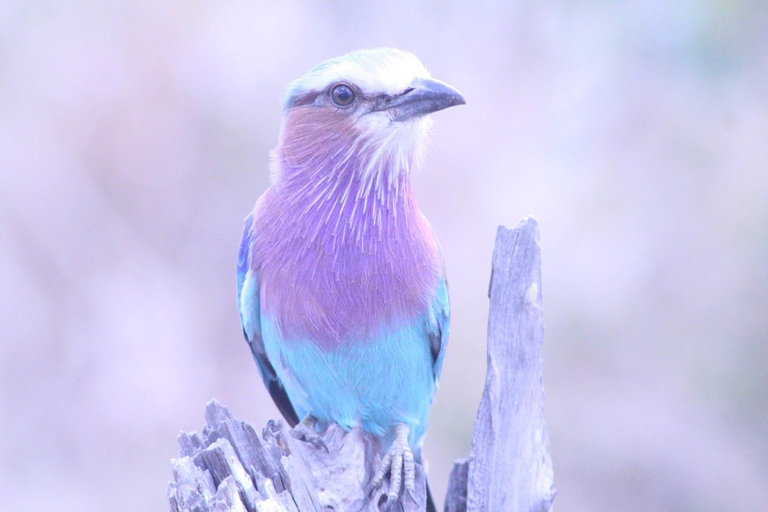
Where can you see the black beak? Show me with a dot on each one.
(423, 97)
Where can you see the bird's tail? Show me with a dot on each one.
(430, 502)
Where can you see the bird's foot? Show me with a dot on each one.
(305, 431)
(398, 462)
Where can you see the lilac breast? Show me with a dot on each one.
(338, 255)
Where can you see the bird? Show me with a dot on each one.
(341, 284)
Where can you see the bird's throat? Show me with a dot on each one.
(342, 183)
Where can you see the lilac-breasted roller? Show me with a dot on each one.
(341, 286)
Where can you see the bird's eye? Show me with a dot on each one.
(342, 95)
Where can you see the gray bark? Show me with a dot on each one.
(510, 467)
(456, 495)
(231, 468)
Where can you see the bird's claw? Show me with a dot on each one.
(319, 443)
(305, 431)
(398, 462)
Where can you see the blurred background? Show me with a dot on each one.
(134, 140)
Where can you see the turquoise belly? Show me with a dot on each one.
(376, 383)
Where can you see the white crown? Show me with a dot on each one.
(376, 71)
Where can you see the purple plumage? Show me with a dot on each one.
(343, 255)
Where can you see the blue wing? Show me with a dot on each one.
(248, 300)
(439, 320)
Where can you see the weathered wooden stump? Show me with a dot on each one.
(231, 467)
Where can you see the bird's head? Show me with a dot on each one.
(365, 112)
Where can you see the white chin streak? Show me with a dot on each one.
(396, 147)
